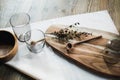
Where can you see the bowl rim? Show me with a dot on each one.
(13, 48)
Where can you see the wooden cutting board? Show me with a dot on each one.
(90, 54)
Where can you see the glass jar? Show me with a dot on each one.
(112, 52)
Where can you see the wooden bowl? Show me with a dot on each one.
(8, 46)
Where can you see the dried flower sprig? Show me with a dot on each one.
(63, 35)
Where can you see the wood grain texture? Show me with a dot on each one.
(46, 9)
(88, 54)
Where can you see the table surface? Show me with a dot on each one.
(40, 10)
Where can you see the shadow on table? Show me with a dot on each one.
(9, 73)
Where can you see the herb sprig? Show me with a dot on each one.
(64, 35)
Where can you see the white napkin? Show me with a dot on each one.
(49, 66)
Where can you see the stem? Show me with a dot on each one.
(97, 37)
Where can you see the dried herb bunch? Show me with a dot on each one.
(64, 35)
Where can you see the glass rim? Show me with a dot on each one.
(18, 14)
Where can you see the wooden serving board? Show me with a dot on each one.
(87, 54)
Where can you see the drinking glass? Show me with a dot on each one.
(20, 24)
(35, 40)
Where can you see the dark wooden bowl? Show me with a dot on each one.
(8, 46)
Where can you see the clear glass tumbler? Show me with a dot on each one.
(20, 24)
(36, 41)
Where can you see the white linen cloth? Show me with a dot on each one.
(46, 65)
